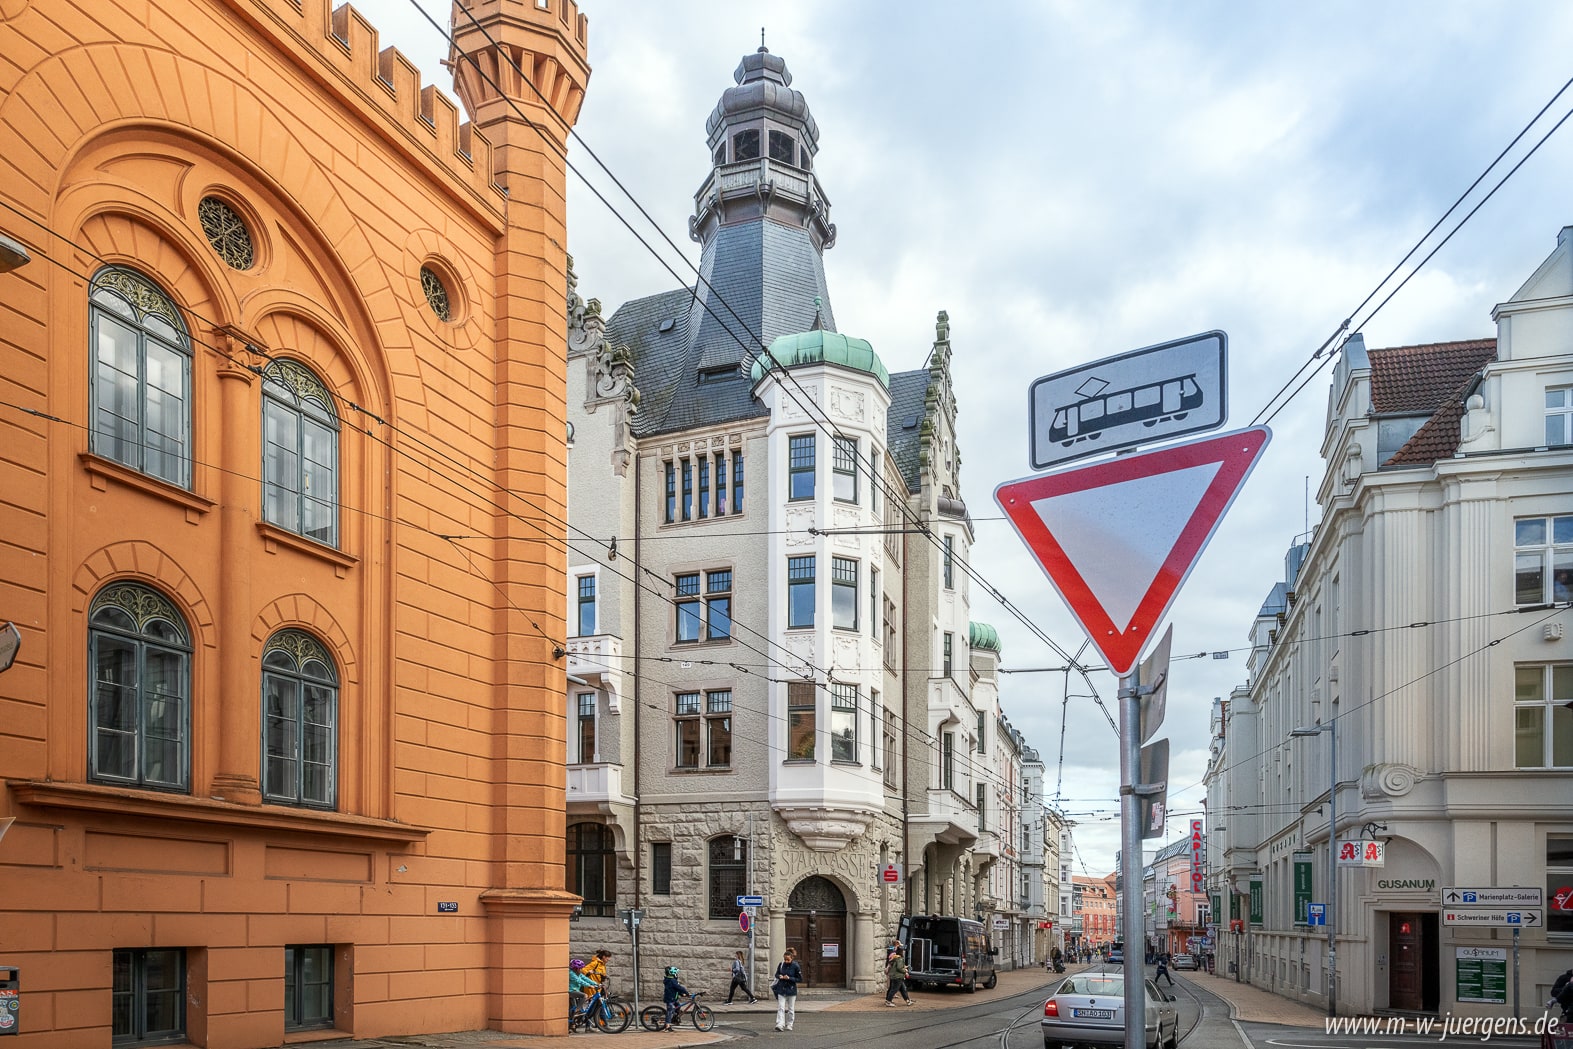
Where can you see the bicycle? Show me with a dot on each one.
(653, 1017)
(601, 1013)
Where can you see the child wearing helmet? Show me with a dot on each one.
(670, 989)
(579, 985)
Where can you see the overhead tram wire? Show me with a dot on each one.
(821, 421)
(1264, 416)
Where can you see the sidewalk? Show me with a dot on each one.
(1253, 1004)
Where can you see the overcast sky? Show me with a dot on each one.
(1073, 180)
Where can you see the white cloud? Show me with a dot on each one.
(1071, 180)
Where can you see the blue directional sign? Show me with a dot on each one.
(750, 901)
(1316, 914)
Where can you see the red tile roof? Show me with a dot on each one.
(1410, 380)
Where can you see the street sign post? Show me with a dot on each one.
(1154, 674)
(1492, 896)
(1117, 539)
(1494, 917)
(1146, 395)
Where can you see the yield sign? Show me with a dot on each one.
(1118, 538)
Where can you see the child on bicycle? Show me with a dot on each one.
(670, 989)
(579, 985)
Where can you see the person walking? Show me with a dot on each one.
(896, 978)
(788, 976)
(1163, 971)
(739, 979)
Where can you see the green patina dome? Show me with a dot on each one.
(981, 635)
(822, 347)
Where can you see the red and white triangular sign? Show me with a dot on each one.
(1119, 538)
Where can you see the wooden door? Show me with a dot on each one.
(828, 941)
(1406, 962)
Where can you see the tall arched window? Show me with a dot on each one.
(300, 722)
(140, 654)
(592, 868)
(300, 453)
(141, 391)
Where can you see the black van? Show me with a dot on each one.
(947, 951)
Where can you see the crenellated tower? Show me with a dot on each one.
(520, 68)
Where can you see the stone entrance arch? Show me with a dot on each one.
(816, 926)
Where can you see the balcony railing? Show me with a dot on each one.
(597, 658)
(596, 784)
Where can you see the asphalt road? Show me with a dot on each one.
(1004, 1023)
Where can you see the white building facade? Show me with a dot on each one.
(774, 684)
(1422, 630)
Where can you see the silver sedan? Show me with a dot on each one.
(1089, 1009)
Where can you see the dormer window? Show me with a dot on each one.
(721, 374)
(783, 147)
(720, 154)
(805, 164)
(745, 145)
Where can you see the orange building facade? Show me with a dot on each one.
(282, 433)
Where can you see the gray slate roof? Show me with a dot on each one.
(904, 425)
(762, 281)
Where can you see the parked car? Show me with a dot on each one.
(1184, 961)
(947, 951)
(1089, 1008)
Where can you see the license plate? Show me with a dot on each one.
(1093, 1014)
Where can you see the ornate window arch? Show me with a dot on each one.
(300, 722)
(300, 453)
(140, 396)
(139, 650)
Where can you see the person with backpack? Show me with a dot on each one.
(896, 978)
(739, 979)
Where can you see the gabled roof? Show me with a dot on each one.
(1416, 380)
(1429, 379)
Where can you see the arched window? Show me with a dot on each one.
(140, 654)
(728, 874)
(592, 868)
(300, 453)
(141, 391)
(300, 722)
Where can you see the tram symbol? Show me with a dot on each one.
(1098, 410)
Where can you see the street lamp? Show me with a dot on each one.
(13, 254)
(1330, 728)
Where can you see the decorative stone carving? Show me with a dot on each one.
(798, 520)
(801, 647)
(1387, 781)
(846, 652)
(844, 518)
(825, 828)
(1477, 425)
(848, 405)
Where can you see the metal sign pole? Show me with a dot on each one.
(1515, 975)
(1131, 862)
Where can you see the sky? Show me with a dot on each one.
(1073, 180)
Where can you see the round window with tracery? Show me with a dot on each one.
(436, 294)
(226, 232)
